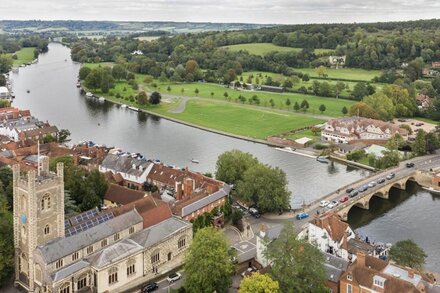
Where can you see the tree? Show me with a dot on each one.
(272, 103)
(389, 159)
(432, 142)
(408, 253)
(212, 94)
(296, 106)
(344, 111)
(119, 72)
(266, 187)
(295, 264)
(395, 142)
(231, 166)
(363, 110)
(5, 63)
(356, 155)
(359, 91)
(382, 104)
(414, 69)
(321, 71)
(191, 66)
(258, 283)
(315, 87)
(225, 94)
(155, 98)
(168, 88)
(142, 98)
(405, 104)
(419, 145)
(305, 77)
(196, 91)
(148, 79)
(63, 135)
(6, 242)
(304, 105)
(93, 79)
(288, 103)
(339, 87)
(207, 264)
(83, 72)
(322, 108)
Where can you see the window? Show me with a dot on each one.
(155, 257)
(81, 283)
(65, 288)
(104, 243)
(181, 243)
(38, 273)
(59, 263)
(90, 249)
(42, 204)
(131, 269)
(116, 237)
(113, 275)
(75, 256)
(349, 277)
(379, 281)
(169, 256)
(131, 230)
(349, 288)
(46, 229)
(45, 202)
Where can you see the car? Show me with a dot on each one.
(149, 287)
(371, 184)
(344, 198)
(353, 193)
(419, 124)
(332, 204)
(401, 120)
(324, 203)
(381, 180)
(363, 188)
(348, 190)
(409, 165)
(302, 216)
(390, 176)
(174, 277)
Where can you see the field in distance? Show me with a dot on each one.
(262, 49)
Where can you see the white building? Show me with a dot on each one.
(337, 61)
(347, 129)
(264, 237)
(329, 234)
(4, 93)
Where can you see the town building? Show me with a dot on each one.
(117, 195)
(435, 64)
(423, 101)
(264, 238)
(109, 251)
(334, 267)
(371, 274)
(4, 93)
(329, 234)
(337, 61)
(129, 170)
(358, 129)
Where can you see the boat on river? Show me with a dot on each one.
(323, 159)
(78, 84)
(89, 94)
(195, 161)
(102, 99)
(431, 190)
(123, 106)
(133, 109)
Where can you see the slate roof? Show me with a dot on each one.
(124, 164)
(205, 200)
(69, 270)
(334, 267)
(154, 234)
(60, 247)
(114, 253)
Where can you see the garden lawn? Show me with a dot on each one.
(101, 64)
(344, 73)
(238, 120)
(262, 49)
(24, 55)
(305, 133)
(333, 105)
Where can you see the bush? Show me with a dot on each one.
(320, 146)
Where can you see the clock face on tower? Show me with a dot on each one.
(23, 219)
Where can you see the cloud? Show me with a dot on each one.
(257, 11)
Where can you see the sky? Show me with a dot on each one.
(254, 11)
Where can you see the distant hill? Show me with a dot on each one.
(118, 27)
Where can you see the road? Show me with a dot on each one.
(164, 285)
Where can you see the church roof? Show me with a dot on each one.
(61, 247)
(114, 253)
(158, 232)
(69, 270)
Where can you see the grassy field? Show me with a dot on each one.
(146, 38)
(24, 55)
(306, 133)
(344, 73)
(94, 65)
(255, 123)
(262, 49)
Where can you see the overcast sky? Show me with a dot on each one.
(254, 11)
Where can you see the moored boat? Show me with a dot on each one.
(89, 94)
(431, 190)
(322, 159)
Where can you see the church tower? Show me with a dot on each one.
(38, 216)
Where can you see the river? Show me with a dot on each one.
(54, 97)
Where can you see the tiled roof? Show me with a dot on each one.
(122, 195)
(125, 164)
(353, 123)
(60, 247)
(334, 226)
(40, 131)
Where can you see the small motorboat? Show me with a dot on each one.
(102, 99)
(89, 94)
(195, 161)
(431, 190)
(28, 91)
(78, 84)
(322, 159)
(133, 109)
(123, 106)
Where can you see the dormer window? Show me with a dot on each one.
(379, 281)
(350, 277)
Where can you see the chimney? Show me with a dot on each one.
(262, 230)
(188, 187)
(360, 259)
(411, 273)
(179, 191)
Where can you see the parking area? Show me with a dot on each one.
(415, 124)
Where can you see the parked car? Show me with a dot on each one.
(149, 287)
(381, 180)
(363, 188)
(348, 190)
(353, 193)
(174, 277)
(248, 271)
(254, 212)
(302, 216)
(333, 204)
(391, 176)
(409, 165)
(344, 198)
(371, 184)
(324, 203)
(419, 124)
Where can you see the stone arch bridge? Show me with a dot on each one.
(380, 190)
